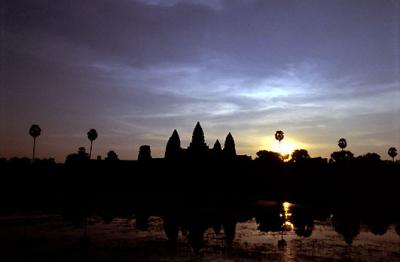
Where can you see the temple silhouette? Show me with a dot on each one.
(198, 188)
(198, 149)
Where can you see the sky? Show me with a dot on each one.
(136, 70)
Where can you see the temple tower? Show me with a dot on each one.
(198, 144)
(173, 148)
(217, 147)
(229, 146)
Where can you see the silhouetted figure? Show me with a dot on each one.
(173, 150)
(229, 146)
(111, 156)
(34, 131)
(92, 135)
(144, 153)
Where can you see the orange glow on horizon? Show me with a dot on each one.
(285, 147)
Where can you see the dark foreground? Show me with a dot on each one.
(50, 238)
(167, 211)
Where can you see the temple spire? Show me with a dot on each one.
(198, 143)
(198, 134)
(229, 146)
(173, 146)
(217, 147)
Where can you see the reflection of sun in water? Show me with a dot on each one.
(287, 215)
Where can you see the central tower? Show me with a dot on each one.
(198, 144)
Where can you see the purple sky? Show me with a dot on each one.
(135, 70)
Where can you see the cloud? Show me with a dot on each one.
(214, 4)
(138, 69)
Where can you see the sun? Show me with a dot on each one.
(286, 147)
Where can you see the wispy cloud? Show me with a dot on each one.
(138, 69)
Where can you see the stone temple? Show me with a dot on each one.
(198, 149)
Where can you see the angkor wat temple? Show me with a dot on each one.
(198, 149)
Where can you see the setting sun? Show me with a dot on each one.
(287, 145)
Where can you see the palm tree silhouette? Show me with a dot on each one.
(92, 135)
(279, 135)
(34, 131)
(392, 152)
(342, 143)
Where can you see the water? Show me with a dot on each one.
(50, 238)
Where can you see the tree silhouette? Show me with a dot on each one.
(269, 156)
(341, 156)
(370, 158)
(342, 143)
(392, 152)
(34, 131)
(112, 156)
(82, 152)
(279, 135)
(347, 224)
(303, 221)
(92, 135)
(79, 157)
(300, 155)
